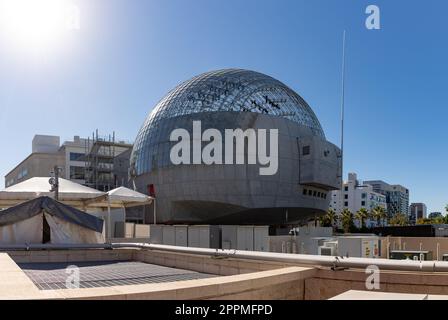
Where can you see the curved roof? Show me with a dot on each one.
(235, 90)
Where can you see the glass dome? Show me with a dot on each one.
(234, 90)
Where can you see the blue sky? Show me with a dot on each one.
(128, 54)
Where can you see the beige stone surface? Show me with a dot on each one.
(281, 283)
(372, 295)
(236, 278)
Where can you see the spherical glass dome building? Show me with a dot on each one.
(236, 99)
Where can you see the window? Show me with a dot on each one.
(305, 192)
(363, 203)
(314, 193)
(74, 156)
(346, 188)
(22, 173)
(310, 192)
(346, 204)
(306, 150)
(364, 195)
(77, 173)
(346, 196)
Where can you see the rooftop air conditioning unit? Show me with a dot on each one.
(331, 244)
(327, 251)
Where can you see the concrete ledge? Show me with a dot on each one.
(327, 283)
(375, 295)
(259, 285)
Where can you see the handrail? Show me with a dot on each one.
(325, 261)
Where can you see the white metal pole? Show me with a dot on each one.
(342, 108)
(154, 203)
(108, 218)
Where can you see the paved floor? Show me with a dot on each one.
(50, 276)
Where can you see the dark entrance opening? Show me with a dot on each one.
(46, 232)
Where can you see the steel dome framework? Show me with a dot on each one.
(226, 90)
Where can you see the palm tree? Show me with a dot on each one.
(379, 214)
(332, 217)
(347, 220)
(329, 219)
(362, 215)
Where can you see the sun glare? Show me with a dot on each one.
(35, 24)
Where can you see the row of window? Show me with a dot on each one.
(364, 196)
(314, 193)
(363, 203)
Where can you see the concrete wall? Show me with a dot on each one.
(326, 283)
(236, 278)
(241, 279)
(229, 194)
(37, 165)
(415, 243)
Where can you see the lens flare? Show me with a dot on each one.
(34, 24)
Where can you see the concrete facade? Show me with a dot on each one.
(228, 193)
(35, 165)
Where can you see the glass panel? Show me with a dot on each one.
(224, 90)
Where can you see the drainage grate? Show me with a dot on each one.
(51, 276)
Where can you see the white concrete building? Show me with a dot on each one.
(100, 157)
(356, 195)
(75, 163)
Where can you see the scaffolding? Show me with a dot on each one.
(100, 153)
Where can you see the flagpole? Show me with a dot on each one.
(342, 108)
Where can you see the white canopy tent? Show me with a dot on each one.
(121, 197)
(45, 220)
(76, 195)
(70, 193)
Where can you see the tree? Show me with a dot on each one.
(362, 215)
(399, 219)
(421, 221)
(437, 220)
(347, 220)
(379, 214)
(446, 216)
(332, 217)
(329, 219)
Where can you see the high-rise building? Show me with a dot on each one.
(397, 196)
(356, 195)
(417, 211)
